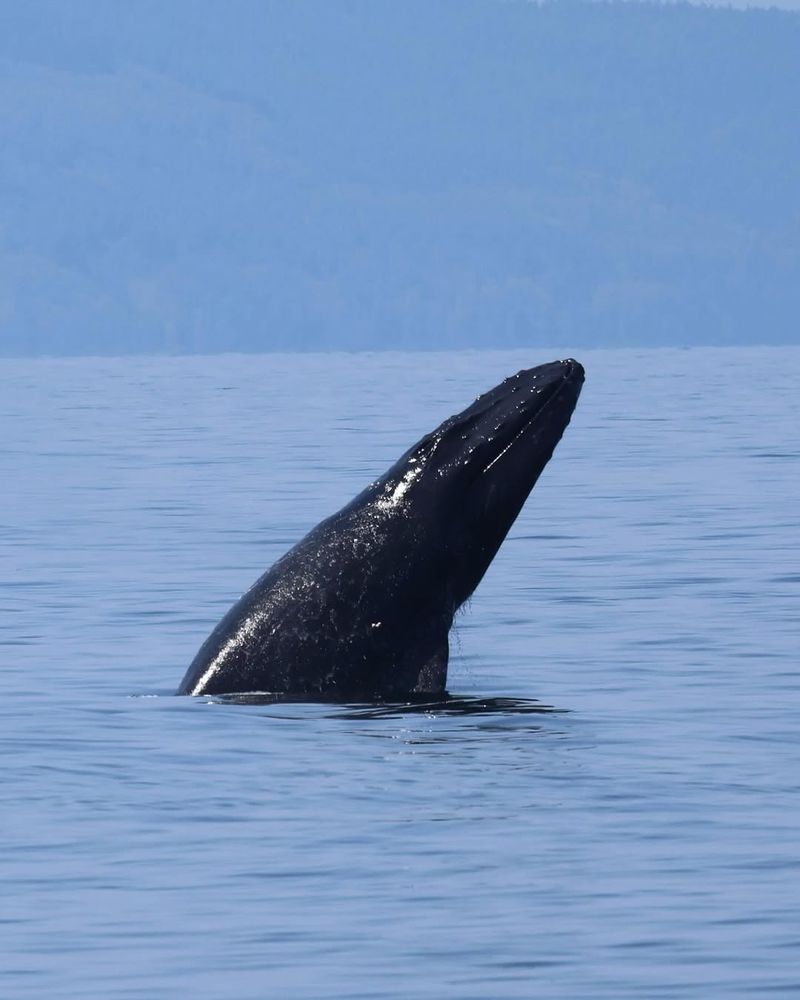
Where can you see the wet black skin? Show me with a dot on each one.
(360, 609)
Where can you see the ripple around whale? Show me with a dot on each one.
(446, 704)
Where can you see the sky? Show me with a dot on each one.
(351, 175)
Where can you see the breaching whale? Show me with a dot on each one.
(360, 609)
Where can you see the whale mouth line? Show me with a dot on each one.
(553, 393)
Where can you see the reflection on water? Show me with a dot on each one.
(445, 704)
(422, 720)
(452, 705)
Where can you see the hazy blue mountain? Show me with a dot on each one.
(254, 175)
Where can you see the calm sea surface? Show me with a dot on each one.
(641, 839)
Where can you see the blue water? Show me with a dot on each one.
(638, 840)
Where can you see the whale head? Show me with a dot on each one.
(472, 474)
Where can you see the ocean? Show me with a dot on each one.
(608, 807)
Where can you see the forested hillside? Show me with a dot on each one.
(202, 176)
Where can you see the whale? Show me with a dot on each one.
(360, 609)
